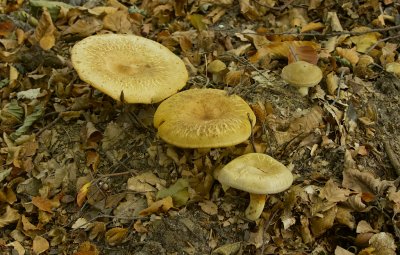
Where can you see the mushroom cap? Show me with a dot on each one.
(144, 70)
(216, 66)
(204, 118)
(255, 173)
(302, 74)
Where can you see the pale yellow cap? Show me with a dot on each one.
(146, 71)
(204, 118)
(255, 173)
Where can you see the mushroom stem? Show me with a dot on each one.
(256, 206)
(303, 91)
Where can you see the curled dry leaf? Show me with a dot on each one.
(320, 224)
(44, 33)
(81, 197)
(116, 236)
(10, 216)
(383, 243)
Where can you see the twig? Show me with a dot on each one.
(51, 124)
(316, 34)
(280, 8)
(392, 156)
(380, 41)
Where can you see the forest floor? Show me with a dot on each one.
(83, 174)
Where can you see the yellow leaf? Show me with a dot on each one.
(350, 54)
(44, 32)
(81, 197)
(197, 22)
(162, 205)
(115, 236)
(40, 245)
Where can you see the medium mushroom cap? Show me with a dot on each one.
(204, 118)
(255, 173)
(302, 74)
(144, 70)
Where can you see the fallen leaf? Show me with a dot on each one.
(116, 236)
(383, 243)
(178, 191)
(320, 224)
(40, 245)
(81, 197)
(209, 207)
(87, 248)
(17, 247)
(10, 216)
(162, 205)
(44, 32)
(45, 204)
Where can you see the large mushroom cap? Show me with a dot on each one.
(302, 74)
(204, 118)
(144, 70)
(255, 173)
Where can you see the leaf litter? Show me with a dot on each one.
(84, 174)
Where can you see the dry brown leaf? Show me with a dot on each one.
(281, 49)
(10, 216)
(364, 182)
(344, 216)
(92, 160)
(40, 245)
(350, 55)
(383, 243)
(26, 224)
(17, 247)
(87, 248)
(116, 236)
(209, 207)
(312, 26)
(45, 204)
(333, 19)
(81, 197)
(159, 206)
(333, 193)
(340, 251)
(117, 22)
(44, 32)
(6, 27)
(365, 41)
(305, 53)
(197, 21)
(145, 182)
(8, 195)
(97, 229)
(84, 27)
(320, 224)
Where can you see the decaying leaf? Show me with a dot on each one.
(116, 236)
(145, 182)
(87, 248)
(45, 204)
(320, 224)
(178, 191)
(45, 30)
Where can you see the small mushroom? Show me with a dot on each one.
(217, 68)
(302, 75)
(143, 70)
(204, 118)
(258, 174)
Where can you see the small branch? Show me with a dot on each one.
(392, 156)
(251, 134)
(317, 34)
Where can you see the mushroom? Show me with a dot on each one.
(143, 70)
(217, 68)
(302, 75)
(258, 174)
(204, 118)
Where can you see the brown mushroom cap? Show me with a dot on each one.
(216, 66)
(204, 118)
(255, 173)
(144, 70)
(302, 74)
